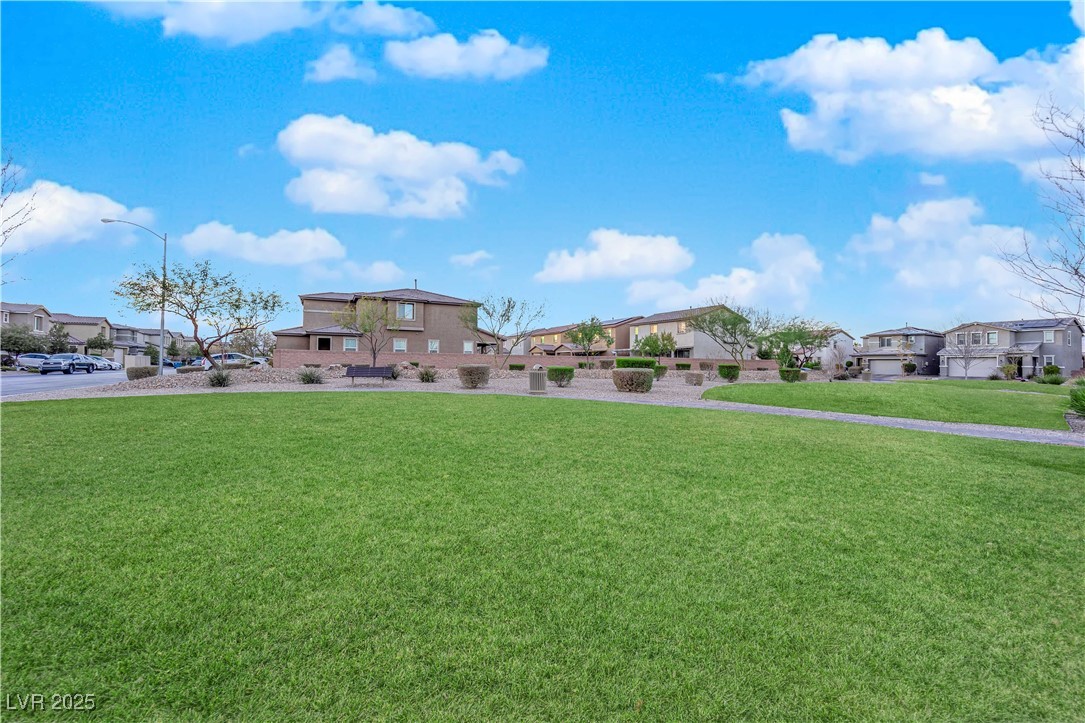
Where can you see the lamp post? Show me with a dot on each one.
(162, 315)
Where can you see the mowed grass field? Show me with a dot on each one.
(351, 556)
(966, 401)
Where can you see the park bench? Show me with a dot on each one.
(368, 372)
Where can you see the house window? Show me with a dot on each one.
(655, 328)
(977, 337)
(1069, 338)
(911, 340)
(681, 327)
(350, 344)
(943, 361)
(39, 323)
(399, 345)
(434, 346)
(885, 341)
(636, 334)
(469, 347)
(323, 343)
(6, 317)
(992, 338)
(962, 338)
(1049, 336)
(1049, 359)
(405, 311)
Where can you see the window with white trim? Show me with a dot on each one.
(911, 339)
(992, 338)
(469, 347)
(636, 334)
(1069, 338)
(350, 344)
(681, 327)
(39, 323)
(885, 341)
(399, 345)
(977, 338)
(655, 328)
(962, 338)
(405, 311)
(1049, 359)
(1049, 336)
(6, 317)
(434, 346)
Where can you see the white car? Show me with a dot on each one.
(105, 364)
(229, 358)
(30, 361)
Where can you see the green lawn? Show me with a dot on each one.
(989, 384)
(354, 556)
(937, 401)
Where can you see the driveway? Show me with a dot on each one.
(12, 383)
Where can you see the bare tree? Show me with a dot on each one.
(497, 317)
(735, 328)
(833, 358)
(959, 346)
(1056, 265)
(374, 320)
(16, 210)
(204, 298)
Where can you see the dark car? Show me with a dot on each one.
(67, 363)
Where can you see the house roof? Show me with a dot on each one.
(552, 330)
(1023, 324)
(292, 331)
(679, 315)
(73, 319)
(619, 322)
(74, 340)
(905, 330)
(544, 347)
(419, 295)
(333, 330)
(20, 308)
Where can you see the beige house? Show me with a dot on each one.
(81, 328)
(33, 316)
(555, 340)
(429, 323)
(690, 343)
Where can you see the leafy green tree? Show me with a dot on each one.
(99, 344)
(174, 349)
(657, 345)
(208, 300)
(588, 333)
(152, 351)
(56, 341)
(734, 328)
(803, 338)
(18, 339)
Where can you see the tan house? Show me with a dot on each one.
(555, 340)
(33, 316)
(690, 343)
(429, 323)
(81, 328)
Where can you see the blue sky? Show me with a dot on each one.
(602, 158)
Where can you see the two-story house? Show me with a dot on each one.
(428, 323)
(838, 339)
(689, 343)
(81, 328)
(33, 316)
(545, 342)
(884, 352)
(556, 341)
(978, 349)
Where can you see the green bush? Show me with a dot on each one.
(1051, 369)
(682, 366)
(1079, 382)
(413, 364)
(909, 367)
(473, 376)
(311, 376)
(814, 365)
(140, 372)
(581, 365)
(561, 376)
(219, 378)
(659, 371)
(428, 375)
(1077, 398)
(516, 367)
(1051, 379)
(606, 363)
(189, 369)
(637, 379)
(729, 372)
(791, 375)
(994, 377)
(849, 364)
(1008, 370)
(633, 362)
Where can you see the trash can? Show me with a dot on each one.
(536, 381)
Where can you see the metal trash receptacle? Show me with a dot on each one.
(536, 381)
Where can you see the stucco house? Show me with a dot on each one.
(690, 343)
(883, 352)
(555, 340)
(838, 339)
(1031, 344)
(33, 316)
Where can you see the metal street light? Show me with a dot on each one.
(162, 316)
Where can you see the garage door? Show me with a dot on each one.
(978, 369)
(885, 367)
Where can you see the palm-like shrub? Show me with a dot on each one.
(311, 376)
(219, 378)
(427, 375)
(1077, 398)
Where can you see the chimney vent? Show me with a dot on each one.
(416, 284)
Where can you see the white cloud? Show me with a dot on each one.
(1077, 14)
(381, 19)
(282, 248)
(932, 97)
(613, 254)
(64, 215)
(233, 23)
(939, 255)
(470, 260)
(787, 267)
(248, 149)
(376, 272)
(931, 179)
(339, 63)
(486, 54)
(347, 167)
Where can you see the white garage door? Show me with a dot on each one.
(885, 366)
(978, 369)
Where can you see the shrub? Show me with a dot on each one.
(473, 376)
(633, 362)
(849, 364)
(140, 372)
(1055, 379)
(581, 365)
(994, 377)
(311, 376)
(188, 370)
(637, 380)
(791, 375)
(516, 367)
(814, 365)
(682, 366)
(427, 375)
(606, 363)
(694, 379)
(413, 364)
(909, 367)
(218, 378)
(1051, 369)
(729, 372)
(1077, 398)
(659, 371)
(1079, 382)
(561, 376)
(1008, 370)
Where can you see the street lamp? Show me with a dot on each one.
(162, 316)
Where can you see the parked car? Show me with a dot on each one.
(67, 363)
(232, 357)
(30, 361)
(102, 363)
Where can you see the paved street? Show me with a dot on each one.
(20, 383)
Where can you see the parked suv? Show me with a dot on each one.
(67, 363)
(101, 362)
(30, 361)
